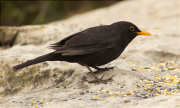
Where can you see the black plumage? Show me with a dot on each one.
(92, 47)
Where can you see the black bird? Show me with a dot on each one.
(92, 47)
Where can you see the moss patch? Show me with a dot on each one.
(31, 77)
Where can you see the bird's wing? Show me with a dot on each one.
(86, 42)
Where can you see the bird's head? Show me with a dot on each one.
(130, 29)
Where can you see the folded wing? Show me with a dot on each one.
(86, 42)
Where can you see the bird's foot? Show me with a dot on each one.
(100, 80)
(100, 70)
(97, 80)
(106, 68)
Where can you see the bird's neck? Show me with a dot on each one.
(128, 40)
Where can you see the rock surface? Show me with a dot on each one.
(148, 71)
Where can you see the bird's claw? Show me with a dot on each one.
(106, 68)
(99, 70)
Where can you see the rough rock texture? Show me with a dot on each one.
(149, 64)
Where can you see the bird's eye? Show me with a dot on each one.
(131, 28)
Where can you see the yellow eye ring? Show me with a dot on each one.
(131, 28)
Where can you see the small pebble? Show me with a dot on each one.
(162, 88)
(150, 89)
(144, 96)
(168, 64)
(162, 79)
(142, 79)
(40, 103)
(138, 91)
(102, 88)
(57, 86)
(126, 101)
(80, 99)
(147, 68)
(144, 93)
(170, 79)
(162, 61)
(65, 100)
(137, 95)
(155, 82)
(138, 86)
(134, 70)
(82, 93)
(171, 68)
(178, 86)
(162, 70)
(149, 80)
(161, 67)
(90, 98)
(153, 95)
(159, 85)
(170, 89)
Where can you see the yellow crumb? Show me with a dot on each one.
(170, 94)
(158, 89)
(104, 91)
(116, 93)
(112, 95)
(156, 94)
(147, 95)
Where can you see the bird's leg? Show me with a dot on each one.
(97, 79)
(93, 74)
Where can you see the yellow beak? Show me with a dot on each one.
(143, 33)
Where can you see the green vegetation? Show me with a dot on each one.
(17, 13)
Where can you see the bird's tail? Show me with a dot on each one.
(47, 57)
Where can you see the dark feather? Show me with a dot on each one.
(86, 42)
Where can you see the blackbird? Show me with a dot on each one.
(92, 47)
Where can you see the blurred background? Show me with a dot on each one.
(17, 13)
(29, 27)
